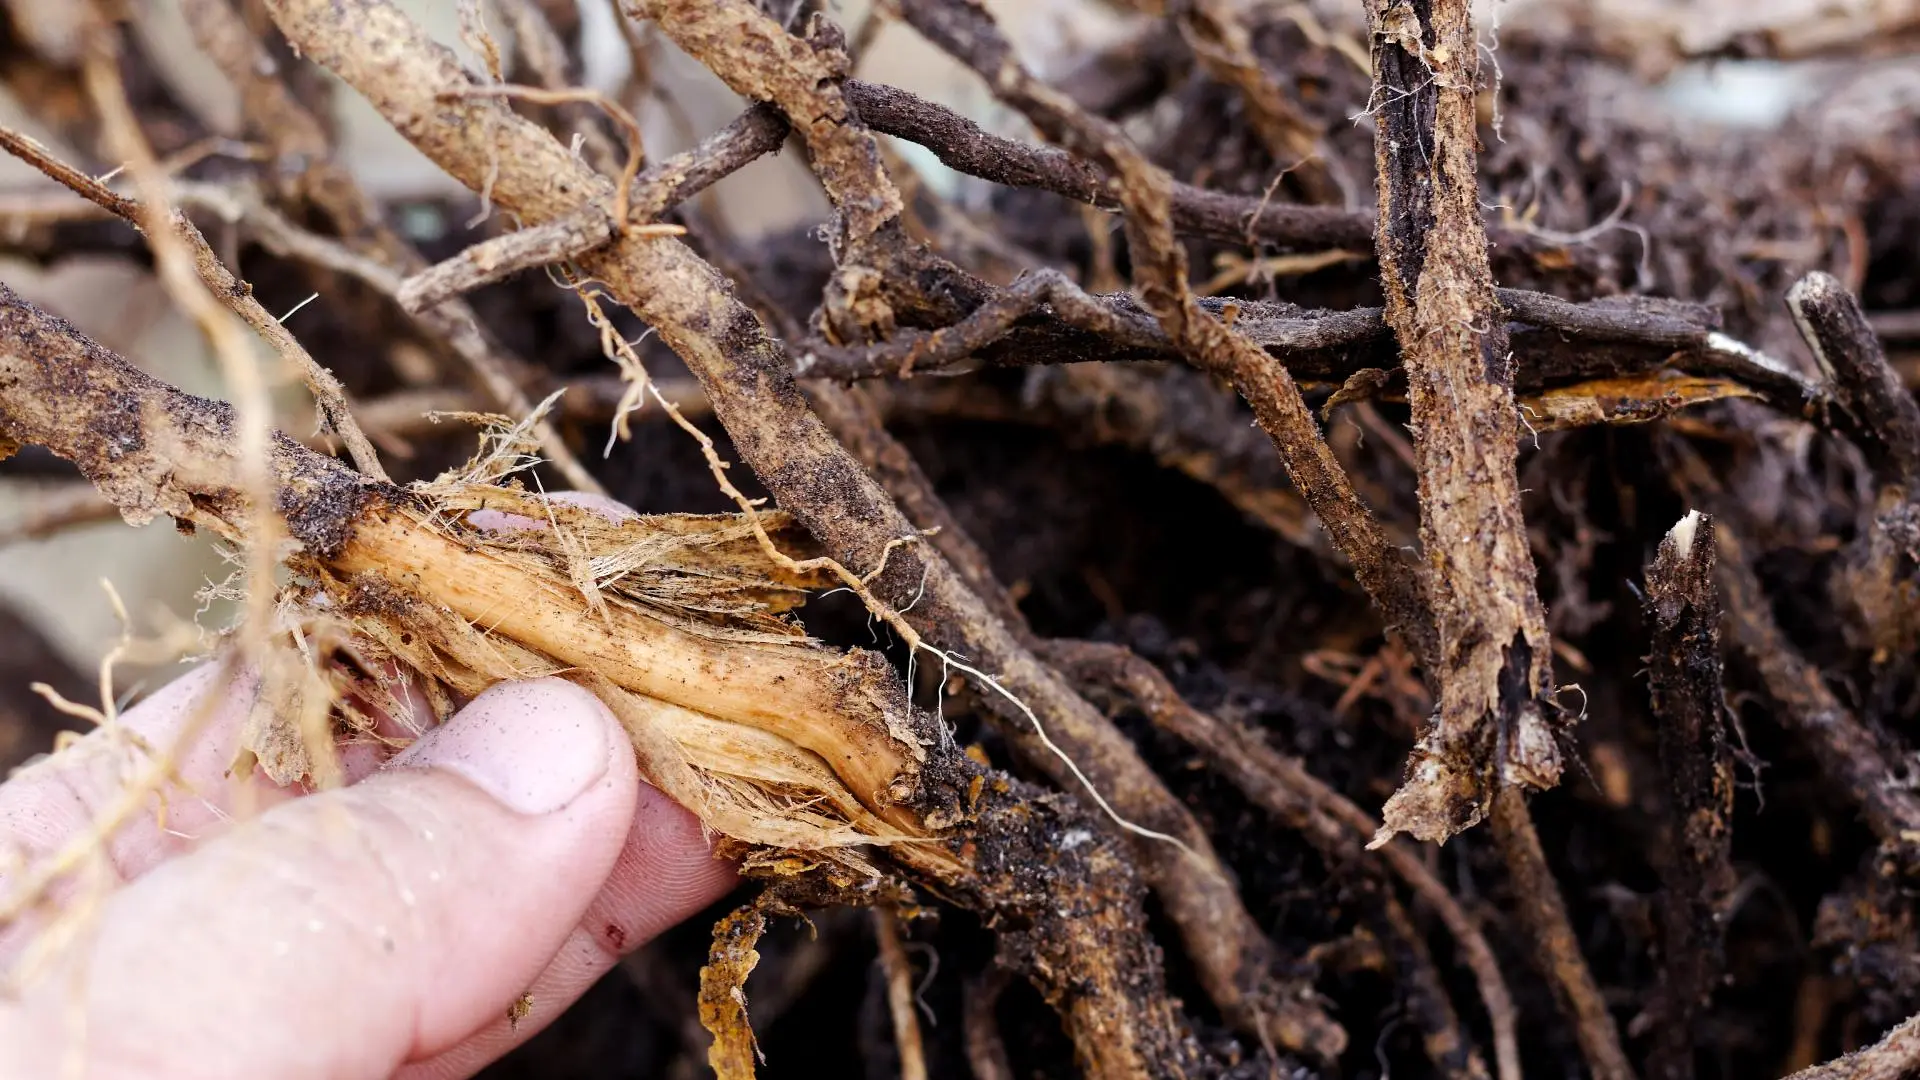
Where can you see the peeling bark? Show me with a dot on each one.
(1494, 660)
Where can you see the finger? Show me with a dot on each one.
(407, 910)
(665, 874)
(60, 796)
(197, 720)
(61, 800)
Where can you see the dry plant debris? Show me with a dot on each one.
(1293, 670)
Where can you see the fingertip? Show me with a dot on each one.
(534, 745)
(197, 720)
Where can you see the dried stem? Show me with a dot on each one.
(1895, 1057)
(453, 322)
(900, 994)
(1697, 871)
(838, 789)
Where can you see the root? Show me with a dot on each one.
(1282, 786)
(900, 995)
(1698, 874)
(860, 587)
(723, 994)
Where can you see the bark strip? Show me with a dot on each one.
(1490, 738)
(1494, 661)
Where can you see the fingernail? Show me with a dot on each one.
(599, 504)
(533, 746)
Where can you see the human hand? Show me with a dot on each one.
(383, 927)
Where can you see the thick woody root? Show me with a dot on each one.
(1056, 889)
(839, 735)
(804, 757)
(679, 614)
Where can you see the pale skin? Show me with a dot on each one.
(383, 928)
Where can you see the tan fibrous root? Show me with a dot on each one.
(681, 624)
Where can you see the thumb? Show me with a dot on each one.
(346, 934)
